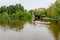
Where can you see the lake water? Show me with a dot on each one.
(29, 31)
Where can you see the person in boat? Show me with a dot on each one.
(35, 17)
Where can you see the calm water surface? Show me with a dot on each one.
(27, 31)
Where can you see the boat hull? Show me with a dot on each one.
(39, 22)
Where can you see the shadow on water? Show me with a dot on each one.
(55, 29)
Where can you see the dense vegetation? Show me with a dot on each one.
(54, 11)
(16, 15)
(14, 12)
(18, 12)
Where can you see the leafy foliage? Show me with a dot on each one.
(54, 10)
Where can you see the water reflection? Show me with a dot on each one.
(23, 30)
(16, 25)
(55, 29)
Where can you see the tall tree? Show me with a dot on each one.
(56, 9)
(3, 9)
(19, 7)
(11, 9)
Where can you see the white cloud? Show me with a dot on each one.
(28, 4)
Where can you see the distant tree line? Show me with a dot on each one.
(17, 11)
(14, 11)
(11, 9)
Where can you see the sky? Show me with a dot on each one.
(28, 4)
